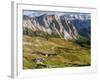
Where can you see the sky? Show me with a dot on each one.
(33, 13)
(37, 13)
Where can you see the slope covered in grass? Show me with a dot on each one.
(53, 52)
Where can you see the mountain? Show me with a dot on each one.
(82, 22)
(56, 41)
(52, 24)
(79, 16)
(65, 26)
(83, 26)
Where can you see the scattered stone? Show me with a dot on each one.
(38, 60)
(44, 54)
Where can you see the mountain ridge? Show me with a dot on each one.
(53, 24)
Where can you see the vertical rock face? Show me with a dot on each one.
(51, 24)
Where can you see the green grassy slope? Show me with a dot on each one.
(55, 52)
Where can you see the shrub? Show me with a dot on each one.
(84, 42)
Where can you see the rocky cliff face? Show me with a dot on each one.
(51, 24)
(82, 22)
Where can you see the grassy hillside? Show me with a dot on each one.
(42, 52)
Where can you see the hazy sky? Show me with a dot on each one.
(38, 13)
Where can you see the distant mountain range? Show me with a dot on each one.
(67, 26)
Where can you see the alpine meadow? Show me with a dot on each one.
(56, 39)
